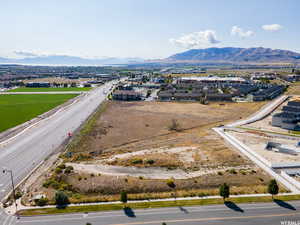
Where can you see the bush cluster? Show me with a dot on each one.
(140, 161)
(41, 202)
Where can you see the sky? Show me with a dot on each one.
(149, 29)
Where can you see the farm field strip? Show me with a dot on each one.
(25, 89)
(17, 109)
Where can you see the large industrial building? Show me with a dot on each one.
(289, 117)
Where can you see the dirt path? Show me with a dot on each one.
(148, 173)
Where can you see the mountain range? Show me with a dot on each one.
(228, 54)
(69, 60)
(231, 54)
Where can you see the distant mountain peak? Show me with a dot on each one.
(232, 54)
(69, 60)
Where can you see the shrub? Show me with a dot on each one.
(174, 126)
(273, 187)
(51, 183)
(232, 171)
(62, 166)
(41, 202)
(243, 172)
(61, 199)
(201, 194)
(55, 185)
(137, 161)
(224, 191)
(150, 161)
(171, 183)
(123, 196)
(69, 169)
(18, 194)
(220, 173)
(58, 170)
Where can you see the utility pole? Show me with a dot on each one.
(13, 186)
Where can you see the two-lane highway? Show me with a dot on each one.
(274, 213)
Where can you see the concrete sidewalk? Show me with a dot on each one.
(12, 210)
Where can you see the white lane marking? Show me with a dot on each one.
(142, 214)
(6, 220)
(45, 119)
(38, 122)
(11, 220)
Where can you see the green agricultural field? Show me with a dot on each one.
(17, 109)
(25, 89)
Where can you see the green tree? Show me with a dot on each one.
(61, 198)
(273, 188)
(224, 191)
(123, 197)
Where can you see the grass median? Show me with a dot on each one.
(158, 204)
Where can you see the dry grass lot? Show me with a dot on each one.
(294, 89)
(136, 135)
(131, 126)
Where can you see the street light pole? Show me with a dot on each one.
(13, 186)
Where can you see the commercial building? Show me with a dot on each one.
(267, 93)
(289, 117)
(126, 95)
(38, 84)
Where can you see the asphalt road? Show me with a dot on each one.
(247, 214)
(266, 110)
(24, 152)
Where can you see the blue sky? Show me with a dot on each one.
(144, 28)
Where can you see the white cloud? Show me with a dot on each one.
(272, 27)
(237, 31)
(25, 53)
(199, 39)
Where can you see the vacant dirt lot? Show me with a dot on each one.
(257, 142)
(129, 146)
(294, 89)
(131, 126)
